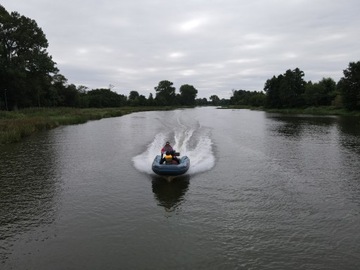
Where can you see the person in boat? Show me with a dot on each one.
(169, 158)
(175, 160)
(167, 147)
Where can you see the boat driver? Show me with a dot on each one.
(169, 158)
(167, 147)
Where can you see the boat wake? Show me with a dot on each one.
(192, 141)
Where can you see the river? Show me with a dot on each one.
(264, 191)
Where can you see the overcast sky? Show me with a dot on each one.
(214, 45)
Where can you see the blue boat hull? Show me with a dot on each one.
(171, 169)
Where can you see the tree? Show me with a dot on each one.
(201, 101)
(320, 94)
(150, 100)
(215, 100)
(285, 90)
(25, 65)
(251, 98)
(133, 98)
(101, 98)
(60, 93)
(133, 95)
(142, 100)
(188, 94)
(83, 97)
(350, 86)
(165, 93)
(292, 88)
(271, 88)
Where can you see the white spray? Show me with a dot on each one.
(192, 142)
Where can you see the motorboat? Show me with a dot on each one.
(171, 169)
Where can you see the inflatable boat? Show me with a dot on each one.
(171, 169)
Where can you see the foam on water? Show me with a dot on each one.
(194, 142)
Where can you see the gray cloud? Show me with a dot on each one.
(215, 45)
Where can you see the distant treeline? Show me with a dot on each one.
(290, 90)
(29, 78)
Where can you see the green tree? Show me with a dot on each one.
(142, 101)
(188, 94)
(25, 65)
(292, 88)
(83, 97)
(165, 93)
(133, 95)
(102, 98)
(258, 99)
(202, 101)
(215, 100)
(133, 98)
(350, 86)
(320, 94)
(286, 90)
(272, 90)
(150, 101)
(62, 93)
(251, 98)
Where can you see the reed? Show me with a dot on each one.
(326, 110)
(16, 125)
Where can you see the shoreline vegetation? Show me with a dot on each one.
(324, 110)
(16, 125)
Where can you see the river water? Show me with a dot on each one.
(264, 191)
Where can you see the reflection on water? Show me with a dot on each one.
(298, 125)
(347, 128)
(170, 194)
(267, 192)
(350, 125)
(350, 133)
(27, 190)
(322, 145)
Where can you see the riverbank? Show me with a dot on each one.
(310, 110)
(16, 125)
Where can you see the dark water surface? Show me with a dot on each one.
(264, 191)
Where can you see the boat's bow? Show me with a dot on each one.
(171, 169)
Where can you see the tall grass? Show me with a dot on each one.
(14, 126)
(325, 110)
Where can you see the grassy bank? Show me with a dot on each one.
(310, 110)
(14, 126)
(317, 111)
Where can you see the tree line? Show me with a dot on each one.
(29, 78)
(290, 90)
